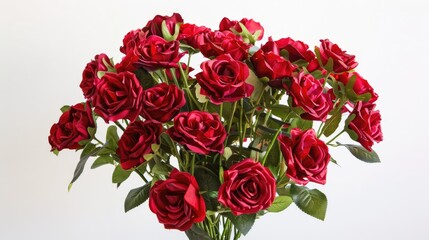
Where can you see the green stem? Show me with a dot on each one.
(119, 125)
(193, 164)
(96, 139)
(185, 81)
(273, 140)
(335, 137)
(141, 175)
(234, 107)
(241, 127)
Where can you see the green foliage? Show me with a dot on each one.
(120, 175)
(102, 160)
(311, 201)
(361, 153)
(209, 183)
(280, 203)
(88, 151)
(243, 222)
(332, 124)
(137, 196)
(196, 233)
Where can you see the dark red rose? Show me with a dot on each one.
(200, 132)
(177, 202)
(364, 125)
(223, 80)
(253, 27)
(297, 50)
(271, 65)
(154, 26)
(213, 44)
(342, 61)
(72, 127)
(360, 87)
(132, 40)
(156, 52)
(189, 34)
(306, 156)
(248, 187)
(136, 142)
(89, 74)
(118, 96)
(162, 102)
(128, 63)
(308, 93)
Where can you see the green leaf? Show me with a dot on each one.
(280, 203)
(361, 153)
(161, 168)
(311, 201)
(258, 85)
(120, 175)
(56, 152)
(243, 222)
(301, 124)
(208, 182)
(65, 108)
(332, 124)
(102, 160)
(334, 161)
(89, 150)
(279, 110)
(137, 196)
(196, 233)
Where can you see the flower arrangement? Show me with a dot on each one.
(239, 138)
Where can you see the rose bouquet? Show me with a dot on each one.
(220, 144)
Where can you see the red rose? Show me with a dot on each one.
(132, 40)
(365, 126)
(223, 79)
(177, 202)
(89, 74)
(155, 52)
(342, 61)
(213, 44)
(254, 28)
(154, 26)
(248, 187)
(201, 132)
(189, 34)
(307, 93)
(118, 96)
(72, 127)
(136, 142)
(360, 86)
(306, 156)
(297, 50)
(162, 102)
(271, 65)
(128, 62)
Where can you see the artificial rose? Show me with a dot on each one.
(364, 125)
(306, 156)
(128, 62)
(308, 93)
(297, 50)
(254, 28)
(223, 79)
(89, 74)
(201, 132)
(118, 96)
(177, 202)
(248, 187)
(155, 52)
(175, 72)
(360, 86)
(189, 34)
(72, 128)
(162, 102)
(154, 26)
(136, 141)
(132, 40)
(271, 65)
(342, 61)
(213, 44)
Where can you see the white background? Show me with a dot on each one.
(45, 44)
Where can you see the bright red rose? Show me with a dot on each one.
(136, 142)
(297, 50)
(360, 86)
(223, 80)
(271, 65)
(162, 102)
(72, 127)
(254, 28)
(156, 52)
(89, 74)
(308, 93)
(213, 44)
(118, 96)
(132, 40)
(177, 202)
(248, 187)
(342, 61)
(200, 132)
(154, 26)
(128, 62)
(364, 125)
(306, 156)
(189, 34)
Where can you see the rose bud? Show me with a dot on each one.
(342, 61)
(154, 26)
(248, 29)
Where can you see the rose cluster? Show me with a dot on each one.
(240, 135)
